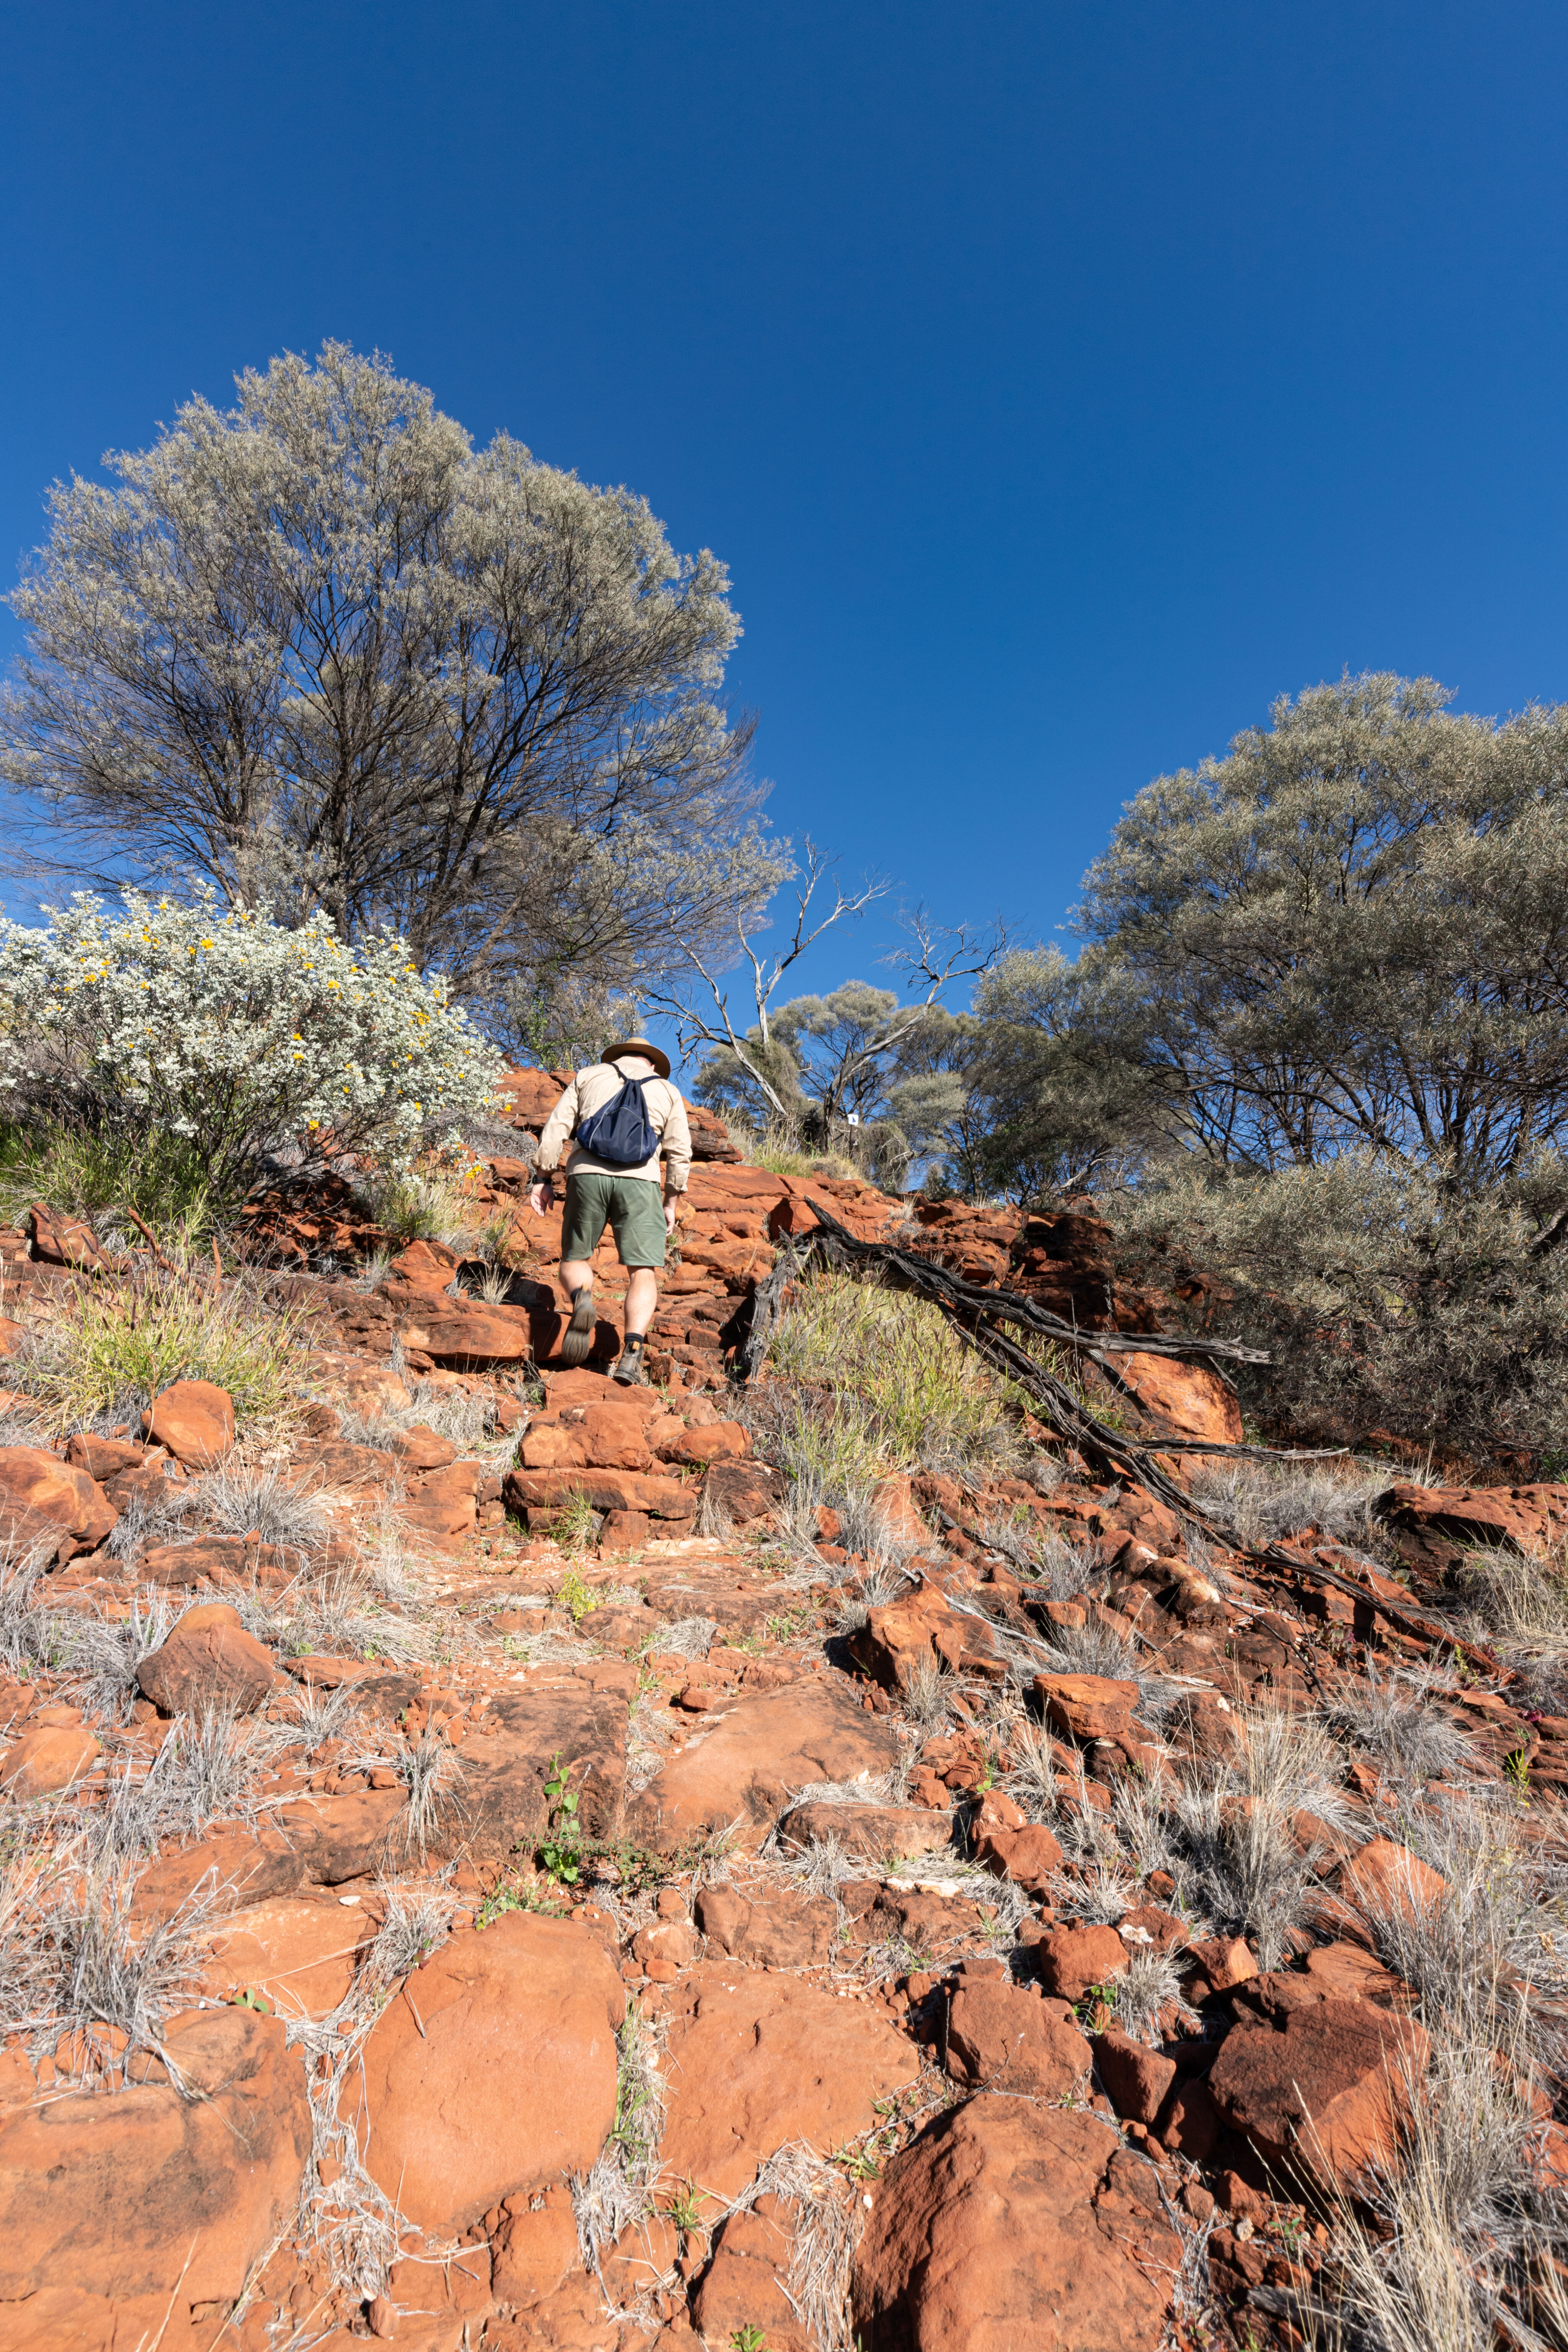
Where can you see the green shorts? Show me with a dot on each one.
(633, 1205)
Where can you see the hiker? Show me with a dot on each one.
(621, 1111)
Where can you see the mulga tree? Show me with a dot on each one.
(320, 651)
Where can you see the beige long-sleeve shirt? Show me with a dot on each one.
(589, 1091)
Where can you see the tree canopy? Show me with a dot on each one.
(320, 651)
(1351, 933)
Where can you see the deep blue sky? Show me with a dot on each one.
(1060, 382)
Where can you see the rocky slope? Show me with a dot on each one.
(489, 1865)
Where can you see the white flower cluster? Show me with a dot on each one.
(222, 1025)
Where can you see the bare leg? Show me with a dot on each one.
(642, 1298)
(576, 1275)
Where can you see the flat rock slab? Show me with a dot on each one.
(1009, 2223)
(729, 1592)
(501, 1802)
(605, 1490)
(1316, 2077)
(757, 2060)
(757, 1752)
(297, 1952)
(778, 1928)
(1009, 2040)
(492, 2071)
(165, 2193)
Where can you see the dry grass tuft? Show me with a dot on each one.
(108, 1347)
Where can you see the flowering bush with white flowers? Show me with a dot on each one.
(221, 1027)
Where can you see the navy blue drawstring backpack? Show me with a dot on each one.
(621, 1132)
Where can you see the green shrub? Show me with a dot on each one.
(234, 1032)
(420, 1204)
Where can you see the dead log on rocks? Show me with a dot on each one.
(977, 1314)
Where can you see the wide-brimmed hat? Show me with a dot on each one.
(643, 1046)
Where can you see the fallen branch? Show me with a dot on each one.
(974, 1314)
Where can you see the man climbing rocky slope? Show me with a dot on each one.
(801, 1852)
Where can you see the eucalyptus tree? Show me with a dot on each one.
(322, 651)
(1352, 931)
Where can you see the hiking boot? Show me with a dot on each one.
(577, 1340)
(631, 1372)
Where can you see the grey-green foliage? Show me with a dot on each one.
(322, 651)
(1061, 1096)
(857, 1070)
(1391, 1297)
(1350, 931)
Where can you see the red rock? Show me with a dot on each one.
(1088, 1706)
(614, 1437)
(60, 1240)
(209, 1660)
(102, 1457)
(420, 1449)
(919, 1625)
(443, 1504)
(1189, 2124)
(1148, 1928)
(698, 1447)
(757, 2059)
(534, 2250)
(1223, 1962)
(226, 1560)
(1385, 1877)
(167, 2194)
(743, 2286)
(1136, 2079)
(12, 1335)
(1006, 2223)
(529, 2001)
(625, 1531)
(297, 1954)
(467, 1337)
(1071, 1960)
(424, 1269)
(548, 1445)
(47, 1758)
(674, 1940)
(744, 1769)
(1307, 2075)
(607, 1490)
(1353, 1974)
(33, 1480)
(781, 1930)
(748, 1493)
(895, 1505)
(1434, 1526)
(1029, 1856)
(1191, 1397)
(1009, 2040)
(194, 1421)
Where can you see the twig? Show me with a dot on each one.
(143, 1227)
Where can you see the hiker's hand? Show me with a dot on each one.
(541, 1197)
(670, 1208)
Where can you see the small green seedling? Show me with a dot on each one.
(572, 1595)
(686, 2211)
(251, 1999)
(749, 2338)
(563, 1839)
